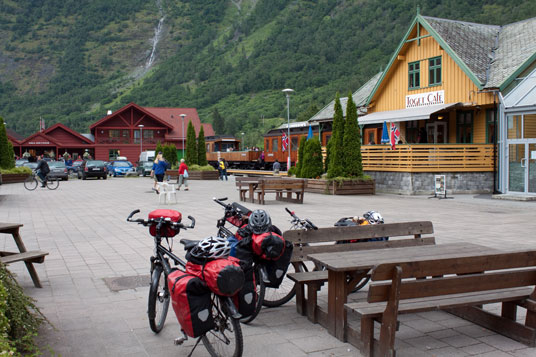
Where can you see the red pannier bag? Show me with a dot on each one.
(190, 298)
(246, 299)
(269, 246)
(166, 231)
(276, 269)
(223, 276)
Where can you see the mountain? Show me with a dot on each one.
(70, 61)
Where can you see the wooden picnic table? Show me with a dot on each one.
(344, 268)
(28, 257)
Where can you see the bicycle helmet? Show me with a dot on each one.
(211, 248)
(373, 217)
(259, 221)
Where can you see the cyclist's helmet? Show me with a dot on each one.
(259, 221)
(373, 217)
(211, 248)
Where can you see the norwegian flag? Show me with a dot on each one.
(395, 134)
(284, 141)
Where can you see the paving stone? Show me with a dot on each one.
(479, 348)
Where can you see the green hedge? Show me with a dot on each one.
(19, 318)
(16, 170)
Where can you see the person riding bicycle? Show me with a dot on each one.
(42, 170)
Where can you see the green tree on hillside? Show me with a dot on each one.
(217, 122)
(312, 159)
(191, 145)
(301, 148)
(336, 151)
(201, 148)
(7, 160)
(353, 165)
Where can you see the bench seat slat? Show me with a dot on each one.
(309, 276)
(441, 302)
(34, 256)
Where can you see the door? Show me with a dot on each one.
(437, 132)
(371, 136)
(522, 167)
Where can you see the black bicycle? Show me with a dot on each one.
(225, 339)
(33, 181)
(237, 215)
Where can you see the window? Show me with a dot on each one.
(114, 133)
(412, 131)
(113, 154)
(275, 146)
(414, 75)
(434, 68)
(148, 134)
(464, 127)
(294, 143)
(267, 145)
(491, 129)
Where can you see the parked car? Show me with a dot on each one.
(31, 165)
(20, 162)
(92, 168)
(75, 165)
(58, 170)
(119, 168)
(144, 168)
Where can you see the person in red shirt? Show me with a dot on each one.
(183, 175)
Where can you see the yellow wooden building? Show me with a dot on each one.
(442, 88)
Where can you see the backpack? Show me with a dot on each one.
(44, 168)
(223, 276)
(269, 246)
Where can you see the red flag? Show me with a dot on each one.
(395, 134)
(284, 142)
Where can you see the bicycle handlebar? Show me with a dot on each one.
(160, 221)
(303, 222)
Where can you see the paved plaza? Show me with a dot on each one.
(83, 227)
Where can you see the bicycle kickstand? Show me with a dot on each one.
(197, 343)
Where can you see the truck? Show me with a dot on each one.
(148, 155)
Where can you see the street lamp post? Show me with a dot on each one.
(183, 116)
(287, 92)
(243, 141)
(141, 137)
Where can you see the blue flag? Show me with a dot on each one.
(385, 134)
(310, 134)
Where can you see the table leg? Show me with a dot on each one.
(29, 265)
(336, 301)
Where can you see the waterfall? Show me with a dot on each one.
(157, 34)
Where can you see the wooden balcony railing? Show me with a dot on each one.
(428, 157)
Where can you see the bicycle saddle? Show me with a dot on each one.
(188, 243)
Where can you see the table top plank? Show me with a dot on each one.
(7, 227)
(366, 259)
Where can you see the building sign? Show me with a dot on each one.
(425, 99)
(39, 143)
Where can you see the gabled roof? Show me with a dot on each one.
(491, 56)
(13, 136)
(125, 108)
(39, 135)
(68, 130)
(523, 96)
(172, 117)
(360, 98)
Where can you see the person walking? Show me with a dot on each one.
(183, 175)
(42, 170)
(160, 166)
(277, 167)
(220, 171)
(223, 168)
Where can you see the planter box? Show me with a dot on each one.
(13, 178)
(341, 188)
(195, 175)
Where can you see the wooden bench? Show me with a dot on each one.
(245, 185)
(28, 257)
(458, 285)
(404, 234)
(281, 187)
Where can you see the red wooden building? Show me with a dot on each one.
(55, 140)
(133, 129)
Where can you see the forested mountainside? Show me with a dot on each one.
(70, 61)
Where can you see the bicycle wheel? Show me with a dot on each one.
(158, 300)
(274, 297)
(31, 183)
(53, 184)
(261, 290)
(226, 339)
